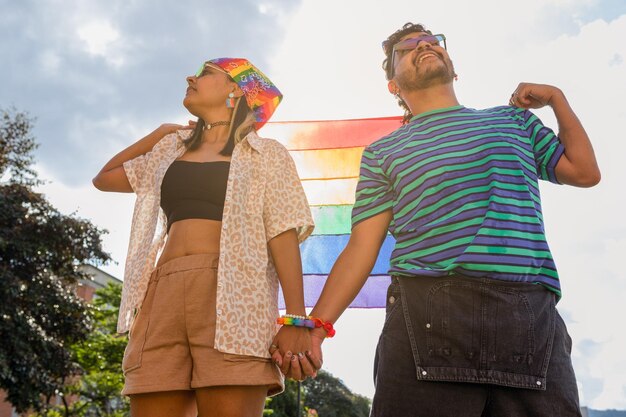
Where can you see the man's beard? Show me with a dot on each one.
(411, 80)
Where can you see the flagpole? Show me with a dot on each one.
(299, 413)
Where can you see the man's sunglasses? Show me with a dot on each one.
(411, 43)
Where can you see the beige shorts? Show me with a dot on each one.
(170, 344)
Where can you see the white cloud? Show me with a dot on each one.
(99, 38)
(50, 62)
(86, 62)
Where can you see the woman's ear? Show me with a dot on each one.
(238, 91)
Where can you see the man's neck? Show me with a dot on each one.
(432, 98)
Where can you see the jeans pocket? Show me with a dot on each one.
(512, 332)
(452, 328)
(482, 326)
(479, 330)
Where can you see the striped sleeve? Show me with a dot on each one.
(374, 193)
(547, 148)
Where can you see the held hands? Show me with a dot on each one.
(297, 351)
(534, 96)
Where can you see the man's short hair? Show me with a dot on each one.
(395, 38)
(388, 47)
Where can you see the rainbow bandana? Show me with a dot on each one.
(261, 94)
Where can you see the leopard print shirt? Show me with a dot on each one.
(264, 197)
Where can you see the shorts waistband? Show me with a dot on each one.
(186, 263)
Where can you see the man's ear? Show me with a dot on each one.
(393, 87)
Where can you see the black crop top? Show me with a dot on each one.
(194, 190)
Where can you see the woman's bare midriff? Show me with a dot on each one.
(191, 237)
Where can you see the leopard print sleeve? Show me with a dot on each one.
(135, 170)
(285, 205)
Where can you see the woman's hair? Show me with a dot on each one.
(242, 122)
(388, 48)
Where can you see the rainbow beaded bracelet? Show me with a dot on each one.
(296, 321)
(308, 321)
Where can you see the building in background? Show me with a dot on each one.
(100, 279)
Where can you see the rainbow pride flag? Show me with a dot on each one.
(327, 155)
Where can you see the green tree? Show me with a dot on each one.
(97, 392)
(331, 398)
(285, 404)
(325, 394)
(40, 250)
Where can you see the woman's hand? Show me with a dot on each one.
(291, 351)
(167, 128)
(112, 176)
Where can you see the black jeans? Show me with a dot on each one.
(460, 346)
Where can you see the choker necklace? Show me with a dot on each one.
(208, 126)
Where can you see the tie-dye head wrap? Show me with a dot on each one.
(261, 94)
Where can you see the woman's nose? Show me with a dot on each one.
(190, 79)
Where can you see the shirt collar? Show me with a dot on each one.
(253, 139)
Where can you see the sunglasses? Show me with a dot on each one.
(206, 67)
(411, 43)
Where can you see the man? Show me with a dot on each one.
(471, 326)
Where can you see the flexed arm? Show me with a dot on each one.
(578, 165)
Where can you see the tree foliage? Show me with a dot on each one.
(325, 394)
(16, 146)
(40, 250)
(97, 392)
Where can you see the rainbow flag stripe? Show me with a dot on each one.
(327, 155)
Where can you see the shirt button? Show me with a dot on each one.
(424, 372)
(219, 284)
(219, 312)
(392, 299)
(539, 383)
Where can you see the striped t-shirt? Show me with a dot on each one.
(463, 188)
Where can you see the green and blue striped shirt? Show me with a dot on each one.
(463, 188)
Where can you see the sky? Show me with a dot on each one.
(98, 76)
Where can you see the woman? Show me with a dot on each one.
(226, 211)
